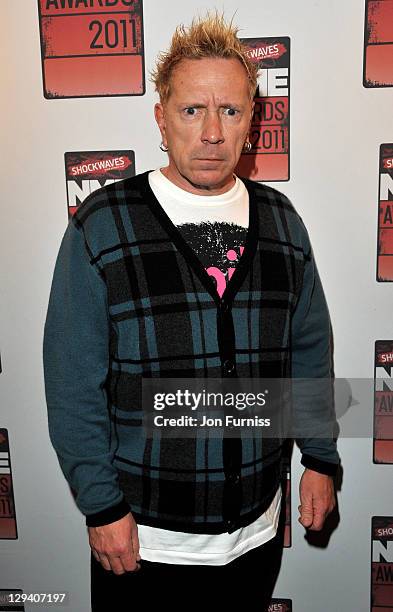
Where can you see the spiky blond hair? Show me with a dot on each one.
(210, 36)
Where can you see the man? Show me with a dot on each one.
(187, 271)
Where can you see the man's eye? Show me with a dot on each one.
(190, 110)
(230, 111)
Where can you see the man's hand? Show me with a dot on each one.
(317, 499)
(116, 546)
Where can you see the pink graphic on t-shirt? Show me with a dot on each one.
(222, 277)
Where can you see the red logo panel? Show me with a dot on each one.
(8, 529)
(268, 159)
(378, 44)
(92, 48)
(382, 564)
(383, 402)
(87, 171)
(385, 217)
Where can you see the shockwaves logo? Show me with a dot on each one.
(7, 504)
(280, 605)
(87, 171)
(92, 48)
(383, 402)
(378, 44)
(258, 53)
(268, 159)
(381, 564)
(385, 217)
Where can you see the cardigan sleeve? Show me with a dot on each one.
(75, 357)
(313, 404)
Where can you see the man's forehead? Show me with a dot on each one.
(209, 77)
(217, 65)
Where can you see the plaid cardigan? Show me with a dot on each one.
(129, 298)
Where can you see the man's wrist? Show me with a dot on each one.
(318, 465)
(109, 515)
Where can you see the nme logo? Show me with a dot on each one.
(381, 564)
(385, 215)
(268, 159)
(87, 171)
(383, 402)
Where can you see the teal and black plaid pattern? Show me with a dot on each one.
(167, 320)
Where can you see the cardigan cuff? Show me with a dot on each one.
(109, 515)
(323, 467)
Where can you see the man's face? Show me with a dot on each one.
(205, 122)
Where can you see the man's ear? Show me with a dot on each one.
(159, 114)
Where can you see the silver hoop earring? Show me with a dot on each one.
(163, 148)
(247, 146)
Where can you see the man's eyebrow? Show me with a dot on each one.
(228, 104)
(199, 105)
(192, 104)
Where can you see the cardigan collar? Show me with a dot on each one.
(250, 246)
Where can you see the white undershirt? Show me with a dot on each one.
(184, 207)
(166, 546)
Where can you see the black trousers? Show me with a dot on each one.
(248, 580)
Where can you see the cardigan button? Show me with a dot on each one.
(228, 366)
(224, 306)
(234, 479)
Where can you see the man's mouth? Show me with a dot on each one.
(211, 159)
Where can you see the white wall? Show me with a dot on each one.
(336, 129)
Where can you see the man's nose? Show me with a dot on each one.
(212, 131)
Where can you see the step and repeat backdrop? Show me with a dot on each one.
(77, 114)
